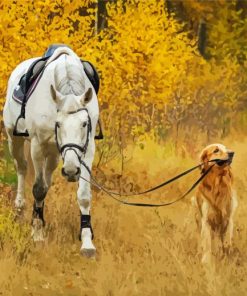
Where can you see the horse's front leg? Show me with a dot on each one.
(40, 189)
(51, 163)
(84, 200)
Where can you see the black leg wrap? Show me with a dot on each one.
(38, 212)
(39, 191)
(86, 223)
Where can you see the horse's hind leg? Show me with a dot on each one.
(16, 148)
(40, 189)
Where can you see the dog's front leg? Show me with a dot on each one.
(205, 234)
(227, 238)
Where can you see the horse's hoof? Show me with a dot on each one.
(88, 252)
(37, 231)
(38, 236)
(19, 203)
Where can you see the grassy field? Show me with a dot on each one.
(140, 251)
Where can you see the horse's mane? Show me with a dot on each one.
(69, 78)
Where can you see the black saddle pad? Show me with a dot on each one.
(27, 81)
(30, 79)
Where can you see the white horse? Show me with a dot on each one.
(66, 98)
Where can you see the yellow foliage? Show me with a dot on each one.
(152, 75)
(13, 235)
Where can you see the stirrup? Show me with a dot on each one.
(15, 131)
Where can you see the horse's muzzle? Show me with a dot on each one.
(71, 175)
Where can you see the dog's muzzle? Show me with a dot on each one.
(228, 161)
(230, 156)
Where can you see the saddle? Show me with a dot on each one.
(30, 79)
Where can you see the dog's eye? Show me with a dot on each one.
(216, 150)
(84, 124)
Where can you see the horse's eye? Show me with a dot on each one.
(216, 150)
(84, 124)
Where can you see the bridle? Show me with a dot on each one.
(63, 149)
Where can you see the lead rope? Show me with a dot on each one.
(72, 146)
(111, 194)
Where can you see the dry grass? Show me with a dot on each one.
(140, 251)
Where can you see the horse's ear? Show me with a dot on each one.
(87, 96)
(57, 97)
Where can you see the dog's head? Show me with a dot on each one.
(219, 153)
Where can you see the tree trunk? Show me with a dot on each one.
(101, 16)
(168, 6)
(242, 5)
(202, 38)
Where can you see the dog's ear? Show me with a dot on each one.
(204, 156)
(204, 160)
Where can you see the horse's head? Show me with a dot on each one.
(73, 127)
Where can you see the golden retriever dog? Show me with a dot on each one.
(216, 200)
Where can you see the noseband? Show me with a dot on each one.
(73, 146)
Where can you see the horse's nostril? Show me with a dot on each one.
(71, 172)
(78, 171)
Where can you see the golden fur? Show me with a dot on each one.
(215, 200)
